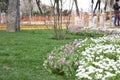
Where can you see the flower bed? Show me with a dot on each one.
(89, 59)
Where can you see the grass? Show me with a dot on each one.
(22, 54)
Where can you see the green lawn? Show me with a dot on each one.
(22, 54)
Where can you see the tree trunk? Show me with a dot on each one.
(0, 16)
(77, 9)
(92, 2)
(38, 2)
(105, 7)
(13, 16)
(97, 5)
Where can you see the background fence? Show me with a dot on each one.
(84, 19)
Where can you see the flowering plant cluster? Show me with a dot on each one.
(101, 59)
(89, 59)
(63, 60)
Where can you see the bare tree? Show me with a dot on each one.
(13, 16)
(58, 4)
(39, 6)
(3, 7)
(92, 2)
(97, 5)
(77, 9)
(30, 10)
(58, 19)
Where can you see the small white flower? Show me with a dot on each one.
(108, 74)
(98, 76)
(117, 72)
(97, 58)
(118, 50)
(101, 57)
(111, 69)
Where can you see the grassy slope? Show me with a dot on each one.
(22, 54)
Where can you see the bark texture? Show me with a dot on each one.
(13, 16)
